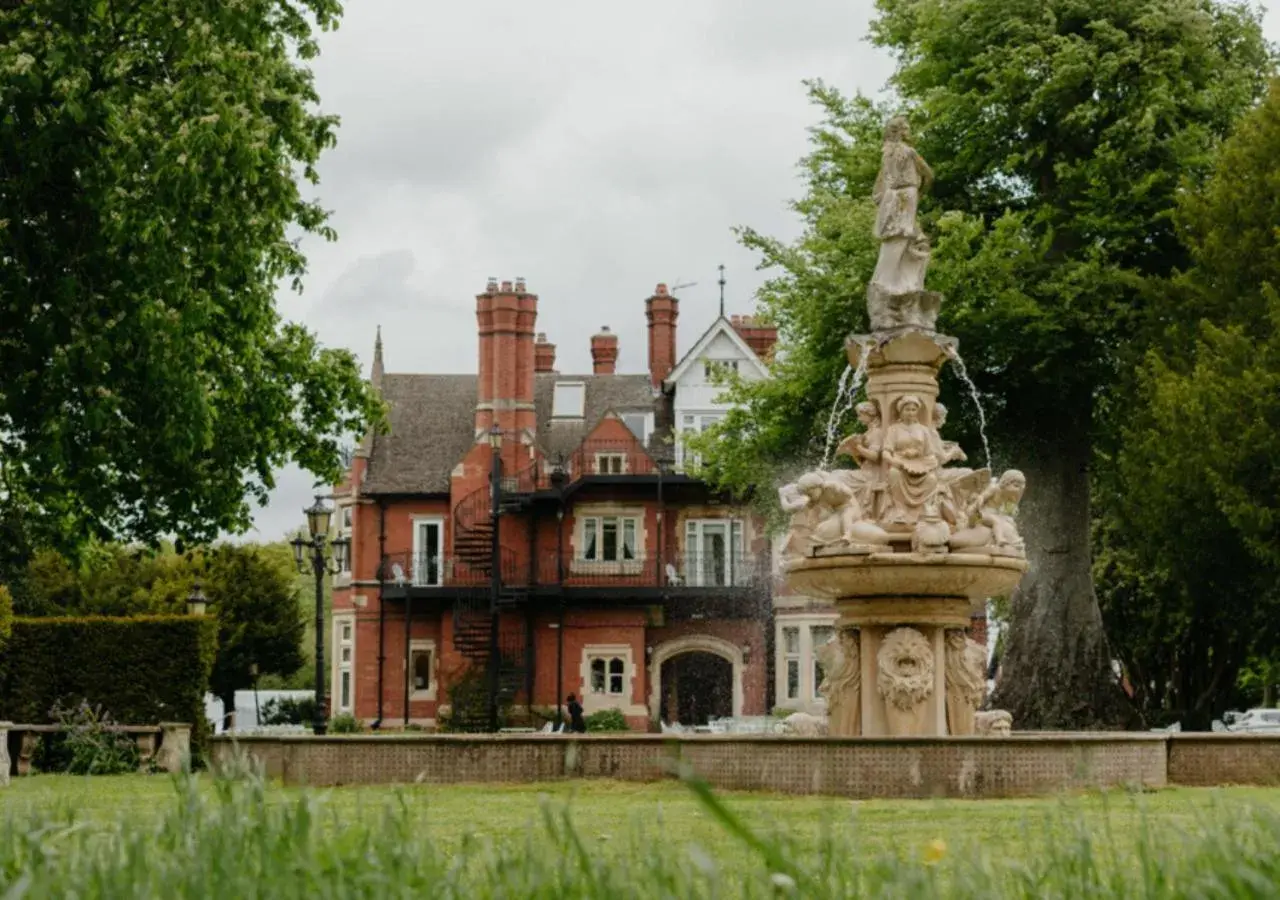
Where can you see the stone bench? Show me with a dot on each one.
(171, 752)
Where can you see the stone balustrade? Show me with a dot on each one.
(166, 746)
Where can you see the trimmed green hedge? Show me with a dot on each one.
(142, 670)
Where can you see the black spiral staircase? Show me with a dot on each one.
(473, 529)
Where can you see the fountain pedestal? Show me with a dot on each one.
(906, 549)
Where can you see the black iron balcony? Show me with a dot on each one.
(675, 571)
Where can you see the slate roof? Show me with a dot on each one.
(621, 393)
(432, 424)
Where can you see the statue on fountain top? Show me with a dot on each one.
(896, 296)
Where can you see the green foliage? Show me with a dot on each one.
(607, 720)
(345, 723)
(90, 747)
(1059, 134)
(153, 153)
(250, 839)
(6, 615)
(1190, 562)
(145, 670)
(252, 591)
(287, 711)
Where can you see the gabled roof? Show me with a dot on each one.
(620, 393)
(720, 326)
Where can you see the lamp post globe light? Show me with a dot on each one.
(197, 602)
(310, 554)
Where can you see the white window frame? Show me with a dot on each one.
(344, 659)
(345, 517)
(594, 702)
(429, 692)
(696, 572)
(807, 698)
(792, 658)
(558, 410)
(694, 422)
(709, 366)
(621, 458)
(646, 430)
(592, 527)
(418, 575)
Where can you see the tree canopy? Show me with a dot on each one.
(252, 591)
(1191, 513)
(150, 160)
(1059, 132)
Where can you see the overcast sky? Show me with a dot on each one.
(593, 148)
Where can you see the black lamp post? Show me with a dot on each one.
(310, 554)
(495, 574)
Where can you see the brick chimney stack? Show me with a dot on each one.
(544, 354)
(661, 310)
(757, 335)
(505, 315)
(604, 352)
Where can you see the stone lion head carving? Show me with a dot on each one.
(906, 668)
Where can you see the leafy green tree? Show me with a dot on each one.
(1190, 565)
(149, 207)
(1059, 132)
(252, 591)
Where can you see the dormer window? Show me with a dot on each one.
(639, 423)
(569, 400)
(715, 369)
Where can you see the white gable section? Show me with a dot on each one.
(698, 399)
(719, 342)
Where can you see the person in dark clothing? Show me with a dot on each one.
(576, 722)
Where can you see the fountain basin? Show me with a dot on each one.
(883, 576)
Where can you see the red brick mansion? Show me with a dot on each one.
(619, 577)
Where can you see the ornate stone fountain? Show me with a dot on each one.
(906, 546)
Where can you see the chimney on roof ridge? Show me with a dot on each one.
(504, 381)
(757, 335)
(604, 352)
(520, 288)
(661, 310)
(544, 354)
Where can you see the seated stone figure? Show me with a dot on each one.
(994, 510)
(910, 454)
(864, 447)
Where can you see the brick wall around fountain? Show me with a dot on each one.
(1026, 764)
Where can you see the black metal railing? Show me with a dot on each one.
(694, 570)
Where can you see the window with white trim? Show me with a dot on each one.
(568, 400)
(791, 653)
(608, 675)
(422, 670)
(611, 463)
(715, 369)
(694, 423)
(640, 424)
(346, 641)
(819, 635)
(609, 538)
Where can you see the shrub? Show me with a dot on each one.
(469, 704)
(288, 711)
(145, 670)
(88, 744)
(607, 720)
(345, 723)
(6, 615)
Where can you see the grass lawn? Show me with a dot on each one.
(659, 826)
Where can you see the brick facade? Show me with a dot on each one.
(596, 566)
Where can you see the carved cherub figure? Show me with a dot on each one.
(995, 510)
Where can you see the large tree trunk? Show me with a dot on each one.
(1056, 672)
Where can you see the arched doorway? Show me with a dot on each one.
(699, 675)
(696, 686)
